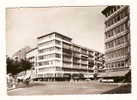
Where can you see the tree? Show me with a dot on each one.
(14, 67)
(25, 65)
(9, 65)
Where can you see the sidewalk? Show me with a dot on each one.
(19, 85)
(22, 85)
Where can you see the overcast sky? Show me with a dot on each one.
(85, 25)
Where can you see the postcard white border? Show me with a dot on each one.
(37, 3)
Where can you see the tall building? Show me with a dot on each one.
(117, 39)
(21, 54)
(59, 58)
(31, 56)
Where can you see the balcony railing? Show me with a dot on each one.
(116, 24)
(117, 35)
(117, 47)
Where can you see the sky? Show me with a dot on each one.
(85, 25)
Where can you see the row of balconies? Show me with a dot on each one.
(116, 24)
(117, 36)
(80, 51)
(119, 68)
(117, 47)
(78, 56)
(77, 63)
(116, 12)
(121, 58)
(76, 70)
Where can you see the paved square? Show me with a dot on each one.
(66, 88)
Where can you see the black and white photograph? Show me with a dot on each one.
(68, 50)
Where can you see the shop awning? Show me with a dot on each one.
(113, 74)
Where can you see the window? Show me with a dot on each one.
(117, 7)
(57, 48)
(111, 32)
(57, 42)
(118, 30)
(46, 50)
(76, 48)
(46, 43)
(41, 57)
(109, 44)
(115, 19)
(114, 8)
(66, 45)
(46, 63)
(118, 17)
(118, 64)
(58, 55)
(111, 22)
(40, 64)
(122, 27)
(122, 64)
(57, 62)
(106, 24)
(83, 51)
(126, 38)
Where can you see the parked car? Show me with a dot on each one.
(106, 80)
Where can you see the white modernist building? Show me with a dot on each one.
(32, 57)
(56, 57)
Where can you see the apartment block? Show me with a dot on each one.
(31, 56)
(59, 58)
(117, 38)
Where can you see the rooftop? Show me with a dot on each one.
(107, 9)
(54, 33)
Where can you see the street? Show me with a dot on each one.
(69, 88)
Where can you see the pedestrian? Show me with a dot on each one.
(13, 82)
(27, 81)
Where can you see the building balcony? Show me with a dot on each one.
(90, 67)
(121, 58)
(117, 47)
(84, 56)
(84, 63)
(116, 12)
(76, 51)
(116, 36)
(67, 60)
(69, 51)
(67, 65)
(45, 40)
(76, 62)
(90, 56)
(66, 47)
(67, 54)
(77, 56)
(116, 24)
(48, 46)
(84, 66)
(48, 59)
(76, 66)
(49, 52)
